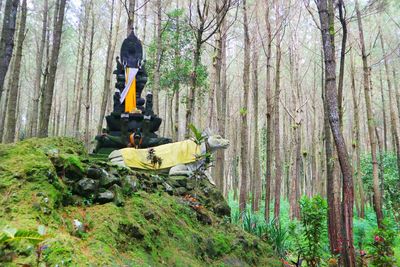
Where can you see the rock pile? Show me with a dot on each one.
(101, 182)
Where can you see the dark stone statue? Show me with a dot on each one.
(130, 129)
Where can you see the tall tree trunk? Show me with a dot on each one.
(393, 117)
(107, 72)
(157, 65)
(223, 119)
(49, 90)
(7, 39)
(79, 87)
(370, 122)
(145, 22)
(343, 22)
(397, 91)
(326, 15)
(295, 192)
(332, 183)
(220, 97)
(38, 73)
(89, 84)
(315, 178)
(356, 141)
(176, 115)
(383, 112)
(268, 93)
(176, 88)
(244, 112)
(14, 86)
(278, 163)
(131, 16)
(193, 82)
(256, 176)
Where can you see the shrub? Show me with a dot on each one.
(277, 237)
(313, 218)
(382, 246)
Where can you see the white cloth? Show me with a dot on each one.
(131, 76)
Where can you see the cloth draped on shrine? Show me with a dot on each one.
(170, 154)
(129, 92)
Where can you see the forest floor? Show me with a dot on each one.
(44, 222)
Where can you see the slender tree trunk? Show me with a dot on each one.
(343, 22)
(278, 163)
(383, 112)
(193, 81)
(220, 95)
(157, 65)
(38, 73)
(49, 90)
(397, 92)
(131, 16)
(145, 22)
(269, 110)
(171, 114)
(244, 112)
(326, 15)
(332, 184)
(89, 84)
(314, 140)
(393, 117)
(256, 176)
(370, 122)
(176, 89)
(107, 72)
(356, 141)
(7, 39)
(79, 88)
(176, 118)
(14, 86)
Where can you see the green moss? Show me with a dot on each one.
(153, 229)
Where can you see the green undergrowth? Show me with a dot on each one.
(151, 229)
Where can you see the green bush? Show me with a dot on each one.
(382, 246)
(313, 218)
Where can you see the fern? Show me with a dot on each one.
(12, 235)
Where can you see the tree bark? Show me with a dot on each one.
(176, 89)
(269, 110)
(356, 141)
(38, 73)
(370, 122)
(79, 87)
(383, 112)
(193, 81)
(244, 112)
(220, 97)
(89, 84)
(49, 90)
(131, 16)
(7, 39)
(107, 72)
(393, 117)
(343, 22)
(157, 65)
(14, 86)
(278, 163)
(256, 176)
(326, 16)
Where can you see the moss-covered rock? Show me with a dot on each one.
(145, 225)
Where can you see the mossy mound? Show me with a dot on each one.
(153, 224)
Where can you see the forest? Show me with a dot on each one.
(303, 94)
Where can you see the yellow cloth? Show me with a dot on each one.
(171, 155)
(130, 100)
